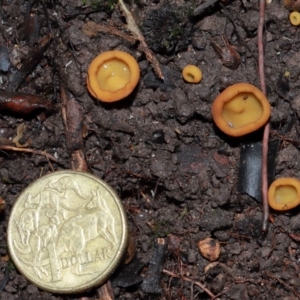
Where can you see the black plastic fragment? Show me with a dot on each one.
(4, 59)
(151, 283)
(5, 279)
(29, 64)
(128, 275)
(250, 167)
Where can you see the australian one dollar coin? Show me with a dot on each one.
(67, 232)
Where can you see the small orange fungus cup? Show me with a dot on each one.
(112, 76)
(240, 109)
(192, 74)
(295, 18)
(284, 194)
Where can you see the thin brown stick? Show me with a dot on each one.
(131, 25)
(261, 23)
(90, 28)
(28, 150)
(283, 283)
(264, 177)
(200, 9)
(73, 121)
(190, 280)
(264, 168)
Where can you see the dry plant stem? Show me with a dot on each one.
(199, 9)
(73, 121)
(64, 100)
(78, 161)
(143, 45)
(262, 6)
(264, 177)
(264, 168)
(28, 150)
(190, 280)
(271, 275)
(90, 27)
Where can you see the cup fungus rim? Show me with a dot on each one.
(188, 69)
(226, 96)
(106, 95)
(280, 182)
(294, 14)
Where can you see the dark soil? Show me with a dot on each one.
(176, 173)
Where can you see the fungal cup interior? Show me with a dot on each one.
(241, 110)
(113, 75)
(285, 194)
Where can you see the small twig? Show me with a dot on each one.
(264, 167)
(64, 101)
(90, 27)
(264, 177)
(131, 25)
(190, 280)
(285, 139)
(73, 121)
(261, 45)
(28, 150)
(283, 283)
(199, 9)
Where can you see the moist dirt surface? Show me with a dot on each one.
(176, 173)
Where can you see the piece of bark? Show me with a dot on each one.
(78, 161)
(73, 120)
(74, 140)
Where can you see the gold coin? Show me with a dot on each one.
(67, 232)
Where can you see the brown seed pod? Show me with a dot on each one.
(209, 249)
(293, 5)
(2, 204)
(228, 54)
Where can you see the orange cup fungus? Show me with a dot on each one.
(284, 194)
(192, 74)
(112, 76)
(240, 109)
(295, 18)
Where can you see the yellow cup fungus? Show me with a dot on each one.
(240, 109)
(112, 76)
(295, 18)
(284, 194)
(192, 74)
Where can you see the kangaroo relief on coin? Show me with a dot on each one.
(67, 227)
